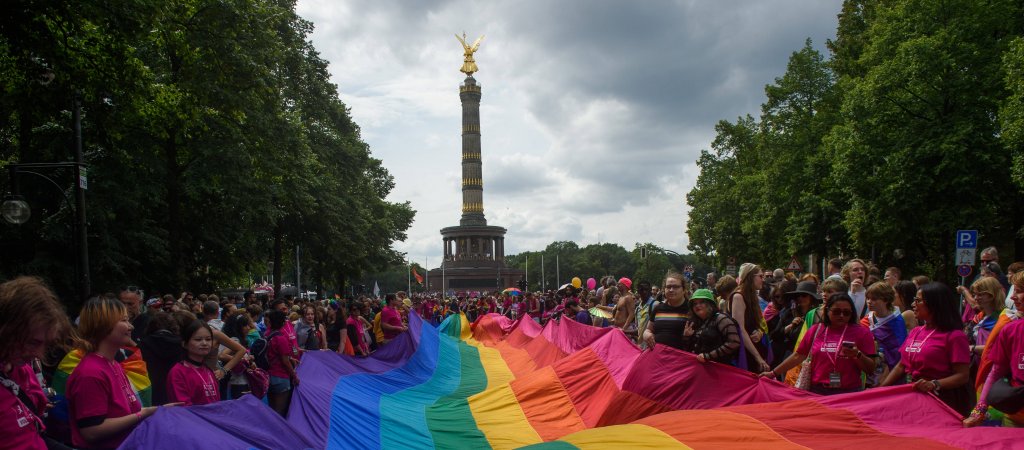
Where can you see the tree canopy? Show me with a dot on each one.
(216, 144)
(909, 131)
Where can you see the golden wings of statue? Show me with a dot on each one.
(468, 65)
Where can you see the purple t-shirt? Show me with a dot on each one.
(391, 317)
(584, 317)
(1008, 350)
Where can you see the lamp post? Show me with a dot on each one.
(15, 210)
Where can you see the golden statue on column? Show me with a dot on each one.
(468, 65)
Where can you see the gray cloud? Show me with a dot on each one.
(591, 109)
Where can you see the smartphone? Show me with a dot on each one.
(848, 344)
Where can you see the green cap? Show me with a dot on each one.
(704, 294)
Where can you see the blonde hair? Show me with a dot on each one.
(845, 271)
(97, 320)
(834, 285)
(992, 287)
(881, 291)
(27, 303)
(745, 287)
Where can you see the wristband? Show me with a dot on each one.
(936, 385)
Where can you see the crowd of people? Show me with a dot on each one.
(858, 328)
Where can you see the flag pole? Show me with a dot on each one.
(409, 277)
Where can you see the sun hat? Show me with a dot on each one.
(803, 288)
(703, 294)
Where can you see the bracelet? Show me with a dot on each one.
(936, 385)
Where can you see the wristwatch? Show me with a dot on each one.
(936, 385)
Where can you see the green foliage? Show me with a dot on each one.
(890, 144)
(215, 139)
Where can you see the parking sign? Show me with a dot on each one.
(966, 247)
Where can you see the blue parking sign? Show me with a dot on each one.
(967, 239)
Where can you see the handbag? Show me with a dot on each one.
(259, 381)
(803, 380)
(1005, 398)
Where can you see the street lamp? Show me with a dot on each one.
(16, 211)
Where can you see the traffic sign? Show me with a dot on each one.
(965, 256)
(966, 239)
(730, 270)
(732, 261)
(964, 270)
(794, 265)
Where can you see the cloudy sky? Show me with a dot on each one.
(593, 112)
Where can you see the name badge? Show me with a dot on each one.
(833, 380)
(22, 422)
(914, 347)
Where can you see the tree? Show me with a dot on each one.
(923, 107)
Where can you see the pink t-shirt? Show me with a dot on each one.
(825, 357)
(1008, 350)
(929, 353)
(390, 316)
(279, 345)
(192, 385)
(98, 389)
(17, 421)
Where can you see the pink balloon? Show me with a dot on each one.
(591, 283)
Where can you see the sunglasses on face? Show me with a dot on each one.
(841, 312)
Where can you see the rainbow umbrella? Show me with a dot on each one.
(512, 291)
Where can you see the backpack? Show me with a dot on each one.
(312, 342)
(259, 349)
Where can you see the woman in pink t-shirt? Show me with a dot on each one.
(282, 356)
(103, 405)
(390, 320)
(31, 319)
(1007, 356)
(936, 355)
(841, 349)
(190, 381)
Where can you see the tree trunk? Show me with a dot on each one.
(278, 243)
(176, 270)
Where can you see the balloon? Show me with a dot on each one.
(576, 283)
(591, 284)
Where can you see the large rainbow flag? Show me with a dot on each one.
(503, 384)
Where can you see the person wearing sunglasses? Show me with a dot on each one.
(936, 355)
(839, 347)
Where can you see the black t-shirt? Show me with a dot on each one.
(334, 334)
(353, 337)
(668, 323)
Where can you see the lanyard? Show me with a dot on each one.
(912, 355)
(207, 381)
(834, 357)
(126, 389)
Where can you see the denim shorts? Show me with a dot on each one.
(279, 385)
